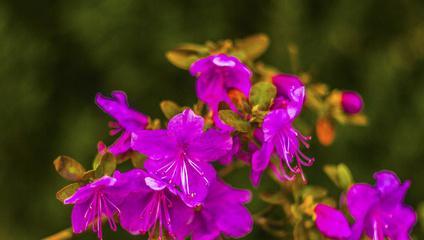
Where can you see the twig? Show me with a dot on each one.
(62, 235)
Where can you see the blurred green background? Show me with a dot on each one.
(55, 56)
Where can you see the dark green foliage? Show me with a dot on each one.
(55, 55)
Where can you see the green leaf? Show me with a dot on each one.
(170, 108)
(97, 159)
(67, 191)
(299, 232)
(138, 160)
(340, 175)
(314, 191)
(262, 94)
(253, 46)
(420, 211)
(106, 166)
(184, 55)
(69, 168)
(89, 175)
(345, 176)
(277, 198)
(234, 120)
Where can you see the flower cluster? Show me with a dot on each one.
(378, 211)
(246, 116)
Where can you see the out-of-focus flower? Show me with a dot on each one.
(331, 222)
(290, 94)
(127, 120)
(94, 201)
(222, 212)
(351, 102)
(151, 207)
(280, 137)
(378, 211)
(181, 154)
(216, 75)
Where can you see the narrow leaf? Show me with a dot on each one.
(345, 176)
(253, 46)
(138, 160)
(68, 168)
(65, 234)
(262, 94)
(89, 175)
(107, 165)
(67, 191)
(184, 55)
(170, 108)
(340, 175)
(234, 120)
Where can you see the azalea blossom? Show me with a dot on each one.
(127, 120)
(181, 154)
(216, 76)
(223, 212)
(94, 201)
(151, 207)
(378, 211)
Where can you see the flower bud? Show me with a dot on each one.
(352, 102)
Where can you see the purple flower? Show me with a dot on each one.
(290, 93)
(331, 222)
(216, 75)
(352, 102)
(127, 119)
(378, 211)
(94, 201)
(151, 207)
(280, 137)
(222, 212)
(180, 155)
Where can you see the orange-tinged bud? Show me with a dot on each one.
(325, 131)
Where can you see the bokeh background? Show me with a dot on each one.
(55, 56)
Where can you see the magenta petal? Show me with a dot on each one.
(386, 181)
(194, 182)
(79, 222)
(400, 222)
(290, 93)
(120, 96)
(222, 212)
(154, 143)
(260, 161)
(261, 158)
(360, 198)
(204, 228)
(274, 122)
(235, 221)
(225, 202)
(122, 144)
(211, 91)
(155, 184)
(118, 108)
(135, 217)
(331, 222)
(186, 126)
(85, 193)
(211, 145)
(181, 216)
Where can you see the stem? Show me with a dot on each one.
(230, 168)
(65, 234)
